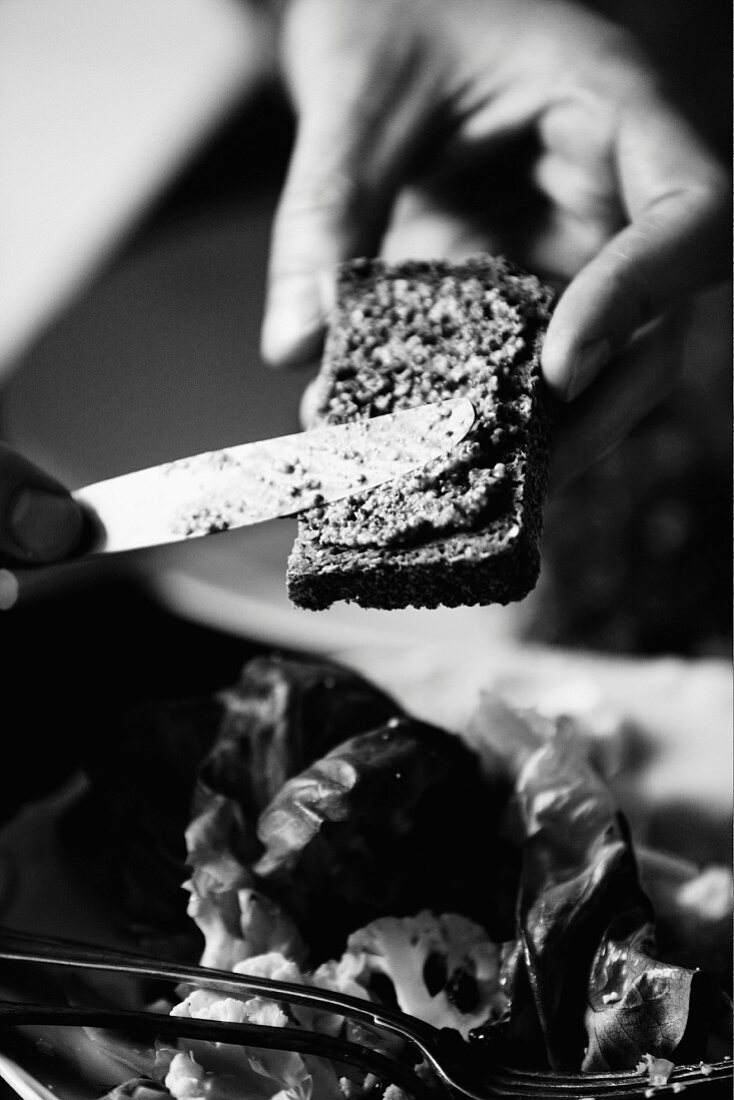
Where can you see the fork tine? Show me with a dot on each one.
(56, 951)
(504, 1082)
(263, 1036)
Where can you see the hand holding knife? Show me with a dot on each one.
(254, 482)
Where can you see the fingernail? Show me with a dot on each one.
(45, 526)
(9, 589)
(293, 320)
(590, 359)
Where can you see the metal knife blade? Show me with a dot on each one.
(254, 482)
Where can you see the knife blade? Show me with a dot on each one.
(253, 482)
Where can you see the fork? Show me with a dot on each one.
(461, 1068)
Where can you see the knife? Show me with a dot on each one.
(254, 482)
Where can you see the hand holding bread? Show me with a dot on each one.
(539, 132)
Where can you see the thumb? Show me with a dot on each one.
(675, 244)
(362, 96)
(39, 521)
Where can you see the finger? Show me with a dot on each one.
(677, 201)
(309, 405)
(39, 520)
(362, 93)
(422, 228)
(579, 194)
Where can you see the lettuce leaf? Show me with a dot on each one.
(385, 823)
(577, 869)
(281, 715)
(586, 988)
(636, 1004)
(319, 808)
(279, 718)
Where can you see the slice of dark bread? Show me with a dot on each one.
(465, 529)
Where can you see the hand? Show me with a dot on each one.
(531, 128)
(40, 523)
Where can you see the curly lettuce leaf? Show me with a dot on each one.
(384, 823)
(584, 920)
(636, 1004)
(225, 756)
(578, 869)
(280, 716)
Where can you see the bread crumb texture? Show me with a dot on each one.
(465, 528)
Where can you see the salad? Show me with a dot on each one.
(484, 883)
